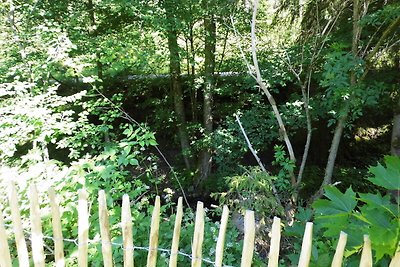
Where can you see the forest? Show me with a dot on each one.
(289, 108)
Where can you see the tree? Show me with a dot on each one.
(360, 9)
(210, 37)
(175, 73)
(354, 73)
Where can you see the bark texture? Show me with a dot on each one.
(176, 85)
(209, 83)
(92, 32)
(263, 86)
(345, 109)
(395, 142)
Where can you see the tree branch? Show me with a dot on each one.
(263, 86)
(274, 191)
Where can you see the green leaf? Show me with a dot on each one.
(134, 162)
(333, 224)
(384, 239)
(153, 142)
(379, 202)
(127, 150)
(128, 131)
(339, 202)
(388, 177)
(378, 217)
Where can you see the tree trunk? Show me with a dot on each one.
(192, 72)
(395, 142)
(209, 62)
(344, 111)
(271, 100)
(176, 86)
(92, 32)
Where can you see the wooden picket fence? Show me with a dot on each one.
(37, 243)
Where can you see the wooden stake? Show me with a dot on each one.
(177, 231)
(396, 260)
(17, 227)
(83, 228)
(57, 233)
(154, 232)
(273, 257)
(198, 236)
(306, 246)
(126, 223)
(366, 255)
(36, 228)
(105, 230)
(338, 258)
(219, 250)
(249, 237)
(5, 258)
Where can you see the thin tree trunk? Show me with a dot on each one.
(346, 108)
(176, 86)
(395, 142)
(309, 132)
(17, 37)
(11, 21)
(271, 100)
(209, 62)
(192, 74)
(344, 112)
(93, 33)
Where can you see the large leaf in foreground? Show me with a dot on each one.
(388, 177)
(338, 202)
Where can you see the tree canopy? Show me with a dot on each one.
(230, 99)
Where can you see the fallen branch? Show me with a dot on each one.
(274, 191)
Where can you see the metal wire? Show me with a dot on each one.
(120, 245)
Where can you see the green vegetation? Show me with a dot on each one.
(145, 98)
(356, 214)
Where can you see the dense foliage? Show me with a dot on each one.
(258, 106)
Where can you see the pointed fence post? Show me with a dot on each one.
(396, 260)
(305, 254)
(273, 257)
(177, 231)
(5, 258)
(338, 258)
(105, 230)
(83, 228)
(366, 255)
(198, 236)
(22, 249)
(154, 232)
(57, 232)
(249, 237)
(36, 228)
(126, 223)
(219, 250)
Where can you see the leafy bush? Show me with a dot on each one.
(356, 214)
(365, 213)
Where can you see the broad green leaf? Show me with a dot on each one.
(388, 177)
(338, 202)
(333, 224)
(384, 239)
(377, 217)
(379, 202)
